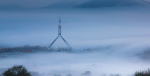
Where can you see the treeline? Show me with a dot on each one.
(33, 48)
(21, 49)
(20, 70)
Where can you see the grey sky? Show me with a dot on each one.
(28, 3)
(72, 3)
(36, 3)
(110, 3)
(78, 26)
(39, 26)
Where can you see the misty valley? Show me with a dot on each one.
(102, 61)
(74, 37)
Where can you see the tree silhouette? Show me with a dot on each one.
(18, 70)
(69, 75)
(87, 73)
(143, 73)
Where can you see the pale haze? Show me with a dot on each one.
(117, 31)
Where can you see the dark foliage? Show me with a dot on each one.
(143, 73)
(21, 49)
(17, 71)
(86, 73)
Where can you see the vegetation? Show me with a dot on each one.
(143, 73)
(16, 71)
(86, 73)
(69, 75)
(57, 75)
(21, 49)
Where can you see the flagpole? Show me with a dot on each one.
(59, 28)
(59, 20)
(59, 36)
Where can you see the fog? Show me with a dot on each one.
(103, 62)
(117, 33)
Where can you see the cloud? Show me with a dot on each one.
(64, 4)
(60, 4)
(28, 3)
(12, 7)
(100, 62)
(108, 3)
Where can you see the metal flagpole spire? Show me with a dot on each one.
(59, 20)
(59, 28)
(59, 35)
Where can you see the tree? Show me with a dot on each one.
(69, 75)
(87, 73)
(18, 70)
(57, 75)
(143, 73)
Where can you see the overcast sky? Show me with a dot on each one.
(99, 21)
(73, 3)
